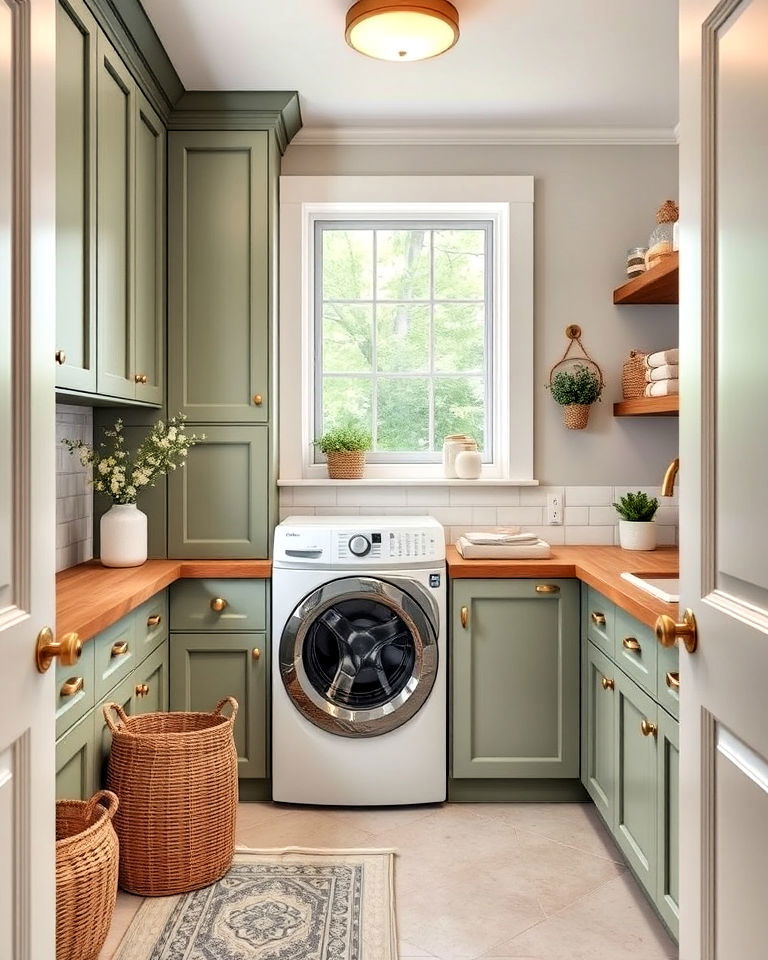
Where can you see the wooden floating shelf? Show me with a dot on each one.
(648, 407)
(657, 285)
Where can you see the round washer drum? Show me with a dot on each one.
(358, 656)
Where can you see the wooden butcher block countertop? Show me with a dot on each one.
(90, 598)
(600, 567)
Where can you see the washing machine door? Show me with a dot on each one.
(358, 656)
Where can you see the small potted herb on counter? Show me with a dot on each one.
(576, 390)
(344, 449)
(637, 529)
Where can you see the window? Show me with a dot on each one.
(406, 307)
(404, 333)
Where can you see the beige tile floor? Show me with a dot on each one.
(523, 881)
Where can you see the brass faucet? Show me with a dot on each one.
(668, 483)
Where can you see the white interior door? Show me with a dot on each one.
(724, 479)
(27, 481)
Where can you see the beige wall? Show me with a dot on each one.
(591, 204)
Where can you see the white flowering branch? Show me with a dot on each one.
(121, 475)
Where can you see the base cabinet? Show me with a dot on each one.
(598, 731)
(668, 836)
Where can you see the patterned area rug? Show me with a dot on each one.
(290, 904)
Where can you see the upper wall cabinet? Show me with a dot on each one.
(219, 276)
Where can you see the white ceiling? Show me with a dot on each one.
(522, 69)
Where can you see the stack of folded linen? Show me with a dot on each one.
(507, 544)
(661, 373)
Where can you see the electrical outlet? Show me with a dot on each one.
(554, 509)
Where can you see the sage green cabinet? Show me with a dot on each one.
(600, 621)
(75, 761)
(515, 679)
(598, 729)
(208, 666)
(219, 504)
(212, 604)
(76, 58)
(218, 263)
(636, 651)
(75, 690)
(668, 679)
(668, 836)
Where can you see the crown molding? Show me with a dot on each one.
(532, 136)
(277, 110)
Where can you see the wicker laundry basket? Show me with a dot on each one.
(633, 375)
(176, 777)
(86, 875)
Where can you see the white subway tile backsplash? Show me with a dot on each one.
(520, 515)
(576, 516)
(588, 496)
(368, 496)
(591, 535)
(427, 496)
(603, 517)
(483, 516)
(314, 496)
(470, 496)
(74, 500)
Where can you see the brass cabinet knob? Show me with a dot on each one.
(464, 616)
(141, 689)
(673, 680)
(547, 588)
(648, 729)
(68, 649)
(119, 648)
(218, 604)
(140, 378)
(607, 683)
(598, 619)
(256, 654)
(72, 686)
(258, 399)
(61, 357)
(631, 643)
(668, 632)
(154, 620)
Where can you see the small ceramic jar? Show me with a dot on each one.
(469, 464)
(452, 446)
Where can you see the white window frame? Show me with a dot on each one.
(508, 203)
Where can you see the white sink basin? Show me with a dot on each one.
(659, 586)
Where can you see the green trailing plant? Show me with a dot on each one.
(578, 386)
(637, 507)
(347, 439)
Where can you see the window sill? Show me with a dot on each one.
(410, 481)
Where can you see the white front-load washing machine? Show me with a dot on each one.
(359, 661)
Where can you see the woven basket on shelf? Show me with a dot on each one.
(346, 465)
(576, 415)
(633, 375)
(86, 875)
(176, 777)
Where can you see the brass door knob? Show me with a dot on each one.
(607, 683)
(256, 654)
(154, 620)
(673, 680)
(61, 357)
(72, 686)
(68, 649)
(140, 378)
(464, 616)
(668, 632)
(648, 729)
(258, 399)
(630, 643)
(119, 648)
(218, 604)
(598, 619)
(547, 588)
(141, 689)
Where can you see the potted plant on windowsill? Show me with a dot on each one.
(576, 390)
(344, 449)
(637, 528)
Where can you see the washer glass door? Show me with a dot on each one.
(358, 656)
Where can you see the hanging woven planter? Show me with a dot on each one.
(574, 378)
(576, 415)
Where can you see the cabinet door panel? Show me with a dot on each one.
(74, 762)
(76, 59)
(150, 688)
(636, 650)
(635, 762)
(116, 654)
(601, 621)
(205, 668)
(599, 725)
(74, 690)
(668, 675)
(123, 696)
(515, 703)
(115, 179)
(218, 276)
(218, 505)
(668, 894)
(150, 252)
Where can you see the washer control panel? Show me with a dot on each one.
(371, 544)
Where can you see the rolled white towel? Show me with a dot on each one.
(662, 388)
(670, 371)
(663, 357)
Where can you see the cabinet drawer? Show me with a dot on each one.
(74, 762)
(74, 690)
(194, 602)
(636, 651)
(668, 679)
(116, 654)
(601, 616)
(150, 624)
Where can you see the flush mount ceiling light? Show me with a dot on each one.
(409, 30)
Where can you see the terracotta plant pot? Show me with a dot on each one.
(348, 465)
(576, 415)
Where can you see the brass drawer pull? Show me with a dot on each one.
(218, 604)
(256, 653)
(673, 680)
(258, 399)
(72, 686)
(630, 643)
(140, 378)
(61, 357)
(142, 689)
(464, 616)
(648, 729)
(119, 648)
(598, 619)
(154, 620)
(547, 588)
(607, 684)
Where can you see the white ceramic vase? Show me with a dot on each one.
(637, 534)
(468, 464)
(123, 536)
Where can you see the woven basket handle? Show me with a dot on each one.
(107, 799)
(222, 703)
(121, 716)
